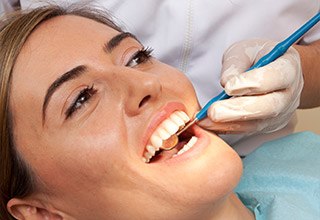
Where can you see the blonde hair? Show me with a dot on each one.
(16, 178)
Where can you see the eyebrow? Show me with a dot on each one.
(80, 70)
(116, 40)
(71, 74)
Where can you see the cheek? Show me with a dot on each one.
(179, 84)
(81, 160)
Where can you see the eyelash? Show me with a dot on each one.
(86, 94)
(141, 56)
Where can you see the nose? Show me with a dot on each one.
(143, 89)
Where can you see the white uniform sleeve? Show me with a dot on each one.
(9, 5)
(312, 35)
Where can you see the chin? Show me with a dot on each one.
(206, 174)
(217, 173)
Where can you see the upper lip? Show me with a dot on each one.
(163, 113)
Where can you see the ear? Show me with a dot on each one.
(29, 209)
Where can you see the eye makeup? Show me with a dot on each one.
(82, 98)
(141, 56)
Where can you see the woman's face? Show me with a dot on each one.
(86, 102)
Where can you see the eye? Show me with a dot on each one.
(83, 97)
(141, 56)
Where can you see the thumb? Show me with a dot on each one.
(235, 127)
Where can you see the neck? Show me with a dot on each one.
(232, 209)
(241, 209)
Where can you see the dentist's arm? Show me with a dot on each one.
(310, 61)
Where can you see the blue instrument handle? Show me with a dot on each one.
(276, 52)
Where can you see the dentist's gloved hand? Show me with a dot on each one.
(264, 99)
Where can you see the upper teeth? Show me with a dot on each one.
(167, 128)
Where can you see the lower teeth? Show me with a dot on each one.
(187, 146)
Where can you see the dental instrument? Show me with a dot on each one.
(276, 52)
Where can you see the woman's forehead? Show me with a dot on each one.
(53, 48)
(57, 45)
(67, 32)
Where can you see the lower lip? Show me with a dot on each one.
(198, 147)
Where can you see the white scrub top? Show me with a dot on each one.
(8, 5)
(192, 35)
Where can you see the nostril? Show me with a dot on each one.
(144, 100)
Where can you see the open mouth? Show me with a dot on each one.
(170, 126)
